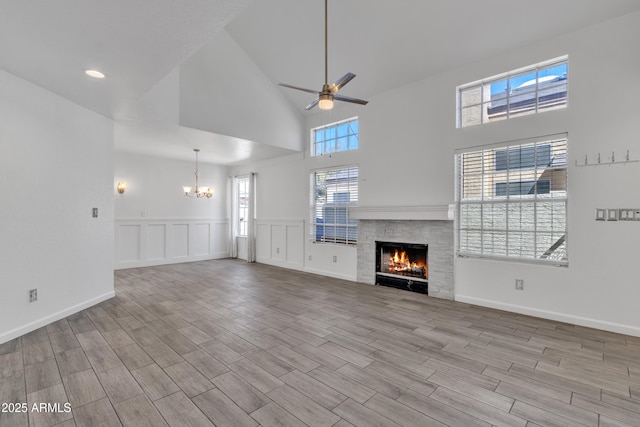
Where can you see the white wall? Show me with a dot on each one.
(56, 164)
(155, 224)
(282, 210)
(213, 97)
(598, 288)
(407, 143)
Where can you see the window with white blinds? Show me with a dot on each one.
(512, 201)
(333, 192)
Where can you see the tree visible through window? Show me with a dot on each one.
(512, 201)
(333, 192)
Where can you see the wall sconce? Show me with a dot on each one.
(121, 187)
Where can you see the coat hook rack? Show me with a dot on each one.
(612, 161)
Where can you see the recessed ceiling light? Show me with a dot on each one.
(94, 73)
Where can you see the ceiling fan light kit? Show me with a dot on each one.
(329, 92)
(325, 101)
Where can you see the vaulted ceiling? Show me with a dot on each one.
(187, 73)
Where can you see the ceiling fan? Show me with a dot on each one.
(329, 92)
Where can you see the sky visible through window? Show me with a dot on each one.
(500, 86)
(336, 137)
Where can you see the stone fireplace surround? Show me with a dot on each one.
(429, 225)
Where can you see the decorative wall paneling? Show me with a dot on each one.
(141, 242)
(280, 242)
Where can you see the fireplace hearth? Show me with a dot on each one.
(402, 265)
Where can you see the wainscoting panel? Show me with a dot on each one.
(141, 242)
(128, 237)
(156, 241)
(219, 242)
(201, 237)
(180, 240)
(263, 241)
(280, 242)
(295, 245)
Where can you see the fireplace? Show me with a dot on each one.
(402, 265)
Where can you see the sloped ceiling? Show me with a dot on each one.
(388, 44)
(187, 73)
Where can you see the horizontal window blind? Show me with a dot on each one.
(512, 201)
(333, 192)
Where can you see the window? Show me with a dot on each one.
(333, 192)
(340, 136)
(541, 186)
(523, 157)
(529, 90)
(512, 201)
(243, 205)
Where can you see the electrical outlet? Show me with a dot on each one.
(277, 250)
(310, 258)
(520, 284)
(33, 295)
(335, 258)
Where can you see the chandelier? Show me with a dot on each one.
(198, 191)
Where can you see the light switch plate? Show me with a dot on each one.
(612, 214)
(601, 214)
(625, 214)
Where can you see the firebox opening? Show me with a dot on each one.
(402, 265)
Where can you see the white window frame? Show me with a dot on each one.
(484, 84)
(242, 205)
(329, 201)
(314, 148)
(484, 228)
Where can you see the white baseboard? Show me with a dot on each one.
(552, 315)
(167, 261)
(278, 263)
(299, 267)
(18, 332)
(330, 274)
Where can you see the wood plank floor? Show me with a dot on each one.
(227, 343)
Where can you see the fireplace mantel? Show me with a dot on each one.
(429, 213)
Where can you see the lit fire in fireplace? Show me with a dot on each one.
(400, 263)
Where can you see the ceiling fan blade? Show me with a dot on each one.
(298, 88)
(313, 104)
(341, 82)
(349, 99)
